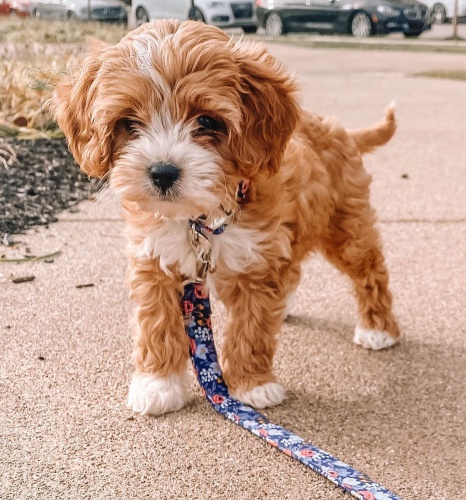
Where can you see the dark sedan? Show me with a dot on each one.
(361, 18)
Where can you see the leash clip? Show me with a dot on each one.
(203, 250)
(201, 244)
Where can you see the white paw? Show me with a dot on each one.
(262, 396)
(154, 395)
(373, 339)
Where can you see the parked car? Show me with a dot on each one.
(223, 13)
(5, 7)
(361, 18)
(100, 10)
(443, 10)
(18, 8)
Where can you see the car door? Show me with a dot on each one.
(49, 9)
(186, 6)
(177, 9)
(307, 15)
(296, 13)
(40, 8)
(324, 13)
(60, 8)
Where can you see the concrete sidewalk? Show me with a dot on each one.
(399, 415)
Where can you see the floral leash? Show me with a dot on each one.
(197, 312)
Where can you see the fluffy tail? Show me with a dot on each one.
(368, 139)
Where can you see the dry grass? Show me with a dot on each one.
(33, 55)
(27, 76)
(448, 74)
(7, 156)
(14, 30)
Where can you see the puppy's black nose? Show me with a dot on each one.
(164, 175)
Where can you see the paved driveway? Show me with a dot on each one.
(399, 415)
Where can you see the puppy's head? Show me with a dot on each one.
(179, 113)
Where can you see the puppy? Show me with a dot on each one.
(190, 124)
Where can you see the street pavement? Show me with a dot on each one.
(398, 415)
(442, 32)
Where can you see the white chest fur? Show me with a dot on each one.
(236, 248)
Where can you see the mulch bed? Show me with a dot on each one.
(38, 179)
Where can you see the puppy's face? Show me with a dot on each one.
(178, 113)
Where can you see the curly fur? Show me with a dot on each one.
(308, 192)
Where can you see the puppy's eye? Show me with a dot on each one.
(130, 125)
(207, 124)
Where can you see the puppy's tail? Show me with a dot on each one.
(368, 139)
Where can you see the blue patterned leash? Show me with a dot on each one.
(197, 312)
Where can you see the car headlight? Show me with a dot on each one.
(388, 11)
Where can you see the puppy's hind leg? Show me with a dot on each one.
(161, 381)
(353, 246)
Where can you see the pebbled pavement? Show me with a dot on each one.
(399, 414)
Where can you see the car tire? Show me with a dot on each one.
(361, 25)
(36, 14)
(196, 15)
(142, 16)
(439, 13)
(250, 29)
(71, 16)
(274, 25)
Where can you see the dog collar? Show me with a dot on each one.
(200, 242)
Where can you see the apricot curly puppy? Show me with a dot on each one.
(181, 116)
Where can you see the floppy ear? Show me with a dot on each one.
(269, 108)
(88, 136)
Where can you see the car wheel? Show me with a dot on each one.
(141, 16)
(71, 16)
(250, 29)
(274, 25)
(36, 13)
(196, 15)
(361, 25)
(439, 14)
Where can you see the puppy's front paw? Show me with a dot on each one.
(262, 396)
(153, 395)
(373, 339)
